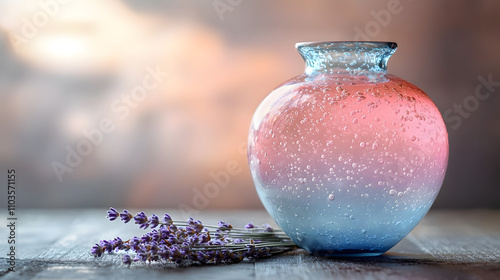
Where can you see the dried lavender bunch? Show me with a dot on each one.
(192, 242)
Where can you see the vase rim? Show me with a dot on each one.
(392, 45)
(356, 57)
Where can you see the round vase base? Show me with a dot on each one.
(351, 253)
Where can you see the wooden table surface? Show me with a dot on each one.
(55, 244)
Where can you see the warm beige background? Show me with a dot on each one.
(63, 65)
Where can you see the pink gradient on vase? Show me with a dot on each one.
(347, 165)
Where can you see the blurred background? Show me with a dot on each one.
(145, 103)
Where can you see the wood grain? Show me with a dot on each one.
(55, 244)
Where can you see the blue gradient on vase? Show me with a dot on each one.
(346, 158)
(348, 225)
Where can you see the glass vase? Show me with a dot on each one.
(347, 158)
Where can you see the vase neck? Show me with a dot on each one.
(356, 58)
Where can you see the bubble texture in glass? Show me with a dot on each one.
(346, 157)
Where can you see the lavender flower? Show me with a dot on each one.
(196, 226)
(127, 260)
(167, 220)
(155, 221)
(107, 246)
(268, 228)
(172, 228)
(126, 216)
(223, 225)
(192, 242)
(142, 220)
(112, 214)
(135, 241)
(249, 226)
(118, 243)
(97, 250)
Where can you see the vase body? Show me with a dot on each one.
(347, 158)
